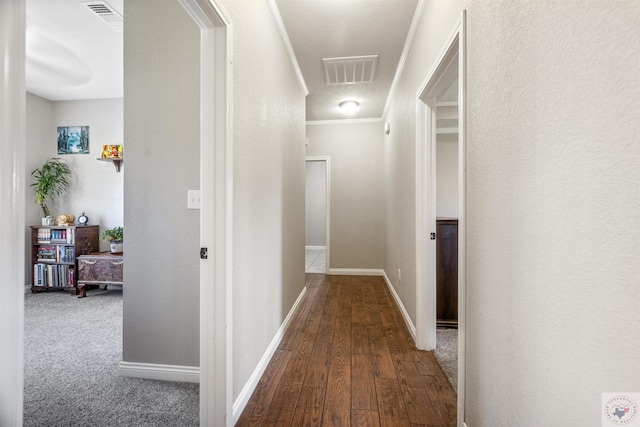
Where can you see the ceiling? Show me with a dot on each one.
(72, 53)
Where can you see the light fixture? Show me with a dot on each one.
(349, 106)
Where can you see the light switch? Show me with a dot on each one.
(193, 199)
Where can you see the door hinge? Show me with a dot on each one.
(204, 253)
(433, 236)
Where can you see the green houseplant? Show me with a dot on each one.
(113, 236)
(52, 179)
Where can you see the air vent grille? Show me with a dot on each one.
(106, 12)
(350, 70)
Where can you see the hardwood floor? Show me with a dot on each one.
(347, 359)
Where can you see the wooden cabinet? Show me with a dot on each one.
(447, 272)
(54, 252)
(99, 268)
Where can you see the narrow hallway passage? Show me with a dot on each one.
(347, 359)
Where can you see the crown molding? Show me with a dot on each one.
(405, 52)
(287, 43)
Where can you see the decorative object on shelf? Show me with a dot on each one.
(52, 179)
(113, 236)
(66, 219)
(73, 140)
(83, 219)
(112, 151)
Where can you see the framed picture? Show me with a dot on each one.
(73, 140)
(112, 151)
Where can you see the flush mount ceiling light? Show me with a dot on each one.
(349, 106)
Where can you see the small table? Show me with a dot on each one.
(99, 268)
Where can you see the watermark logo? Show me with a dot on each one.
(620, 409)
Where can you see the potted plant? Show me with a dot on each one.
(113, 236)
(52, 179)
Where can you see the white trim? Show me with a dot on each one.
(452, 53)
(417, 15)
(152, 371)
(216, 185)
(27, 289)
(403, 310)
(343, 121)
(315, 248)
(355, 272)
(327, 174)
(287, 44)
(252, 383)
(12, 203)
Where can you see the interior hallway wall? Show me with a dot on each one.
(357, 198)
(553, 198)
(162, 161)
(315, 204)
(553, 201)
(268, 173)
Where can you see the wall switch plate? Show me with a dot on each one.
(193, 199)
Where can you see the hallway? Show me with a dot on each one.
(348, 359)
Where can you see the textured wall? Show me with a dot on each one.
(357, 198)
(40, 140)
(553, 203)
(269, 168)
(438, 19)
(447, 177)
(94, 187)
(315, 204)
(553, 197)
(161, 272)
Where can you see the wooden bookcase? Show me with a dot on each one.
(54, 253)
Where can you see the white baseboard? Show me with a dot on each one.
(405, 314)
(27, 289)
(316, 248)
(246, 392)
(355, 272)
(151, 371)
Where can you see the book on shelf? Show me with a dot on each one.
(53, 275)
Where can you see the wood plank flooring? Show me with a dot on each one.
(347, 359)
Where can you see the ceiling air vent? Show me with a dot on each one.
(106, 12)
(350, 70)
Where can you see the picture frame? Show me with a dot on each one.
(73, 139)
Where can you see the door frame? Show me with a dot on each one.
(12, 202)
(327, 175)
(452, 54)
(216, 187)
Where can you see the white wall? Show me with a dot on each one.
(315, 204)
(447, 176)
(553, 201)
(269, 168)
(357, 198)
(162, 162)
(555, 165)
(40, 143)
(94, 187)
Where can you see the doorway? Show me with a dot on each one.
(216, 392)
(317, 197)
(447, 77)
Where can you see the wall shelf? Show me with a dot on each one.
(116, 162)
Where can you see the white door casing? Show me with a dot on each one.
(452, 56)
(216, 163)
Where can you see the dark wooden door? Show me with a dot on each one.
(447, 272)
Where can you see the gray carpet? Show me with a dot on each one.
(446, 354)
(72, 351)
